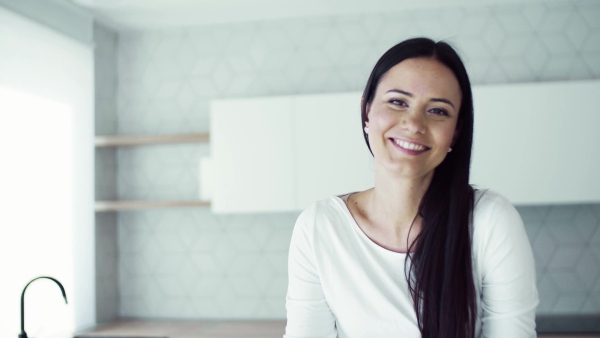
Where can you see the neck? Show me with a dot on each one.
(396, 199)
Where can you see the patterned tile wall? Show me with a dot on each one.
(191, 263)
(566, 244)
(107, 291)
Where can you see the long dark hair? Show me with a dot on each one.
(440, 277)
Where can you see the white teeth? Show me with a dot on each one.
(409, 146)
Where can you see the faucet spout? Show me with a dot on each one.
(23, 334)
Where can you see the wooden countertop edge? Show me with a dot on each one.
(188, 328)
(223, 328)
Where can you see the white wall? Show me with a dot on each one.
(46, 224)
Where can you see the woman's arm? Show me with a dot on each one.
(308, 314)
(508, 288)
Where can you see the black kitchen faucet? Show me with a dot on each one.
(23, 334)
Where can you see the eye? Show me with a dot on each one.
(439, 111)
(398, 102)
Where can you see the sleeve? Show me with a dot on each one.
(308, 314)
(509, 295)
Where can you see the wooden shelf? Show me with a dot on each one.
(141, 140)
(128, 141)
(102, 206)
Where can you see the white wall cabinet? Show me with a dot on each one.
(252, 154)
(538, 143)
(535, 143)
(283, 153)
(331, 155)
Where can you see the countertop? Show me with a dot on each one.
(215, 329)
(190, 329)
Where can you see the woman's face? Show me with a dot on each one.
(412, 117)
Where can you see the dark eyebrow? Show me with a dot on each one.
(411, 95)
(399, 91)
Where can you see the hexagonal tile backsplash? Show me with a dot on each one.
(191, 263)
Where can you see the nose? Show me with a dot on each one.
(413, 122)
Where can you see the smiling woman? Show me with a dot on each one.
(417, 118)
(421, 254)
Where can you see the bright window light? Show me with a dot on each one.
(36, 194)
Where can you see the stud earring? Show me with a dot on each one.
(450, 149)
(366, 130)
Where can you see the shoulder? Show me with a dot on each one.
(486, 199)
(490, 206)
(318, 215)
(328, 207)
(496, 223)
(494, 218)
(319, 230)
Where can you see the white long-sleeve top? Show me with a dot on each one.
(342, 284)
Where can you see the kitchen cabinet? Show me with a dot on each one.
(331, 155)
(283, 153)
(535, 143)
(253, 161)
(145, 140)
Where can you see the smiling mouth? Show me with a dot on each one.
(409, 145)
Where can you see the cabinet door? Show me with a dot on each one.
(534, 143)
(537, 143)
(251, 145)
(331, 155)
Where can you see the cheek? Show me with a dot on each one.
(447, 135)
(381, 119)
